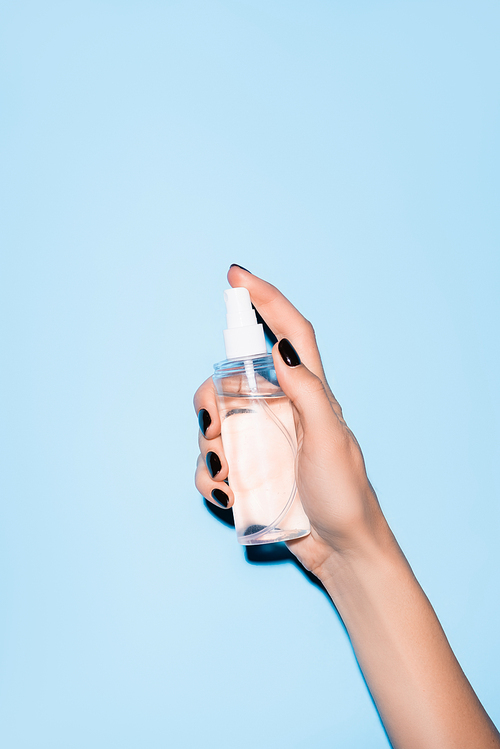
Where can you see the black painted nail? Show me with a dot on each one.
(204, 420)
(235, 265)
(220, 497)
(213, 464)
(288, 353)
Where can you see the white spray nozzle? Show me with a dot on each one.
(243, 337)
(239, 308)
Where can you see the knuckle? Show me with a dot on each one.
(308, 328)
(197, 483)
(196, 400)
(305, 336)
(203, 394)
(312, 385)
(306, 332)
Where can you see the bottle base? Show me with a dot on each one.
(251, 536)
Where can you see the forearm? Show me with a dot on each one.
(422, 694)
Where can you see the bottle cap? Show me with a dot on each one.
(244, 337)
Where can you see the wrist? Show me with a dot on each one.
(349, 568)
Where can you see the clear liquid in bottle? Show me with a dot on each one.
(260, 444)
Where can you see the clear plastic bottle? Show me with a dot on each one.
(258, 434)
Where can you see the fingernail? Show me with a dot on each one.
(220, 497)
(288, 353)
(235, 265)
(213, 464)
(204, 420)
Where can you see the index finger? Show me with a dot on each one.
(205, 402)
(282, 317)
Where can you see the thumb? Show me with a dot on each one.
(306, 391)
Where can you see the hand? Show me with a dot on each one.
(331, 476)
(423, 696)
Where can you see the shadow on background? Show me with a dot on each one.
(278, 553)
(225, 516)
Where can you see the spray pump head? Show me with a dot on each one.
(244, 337)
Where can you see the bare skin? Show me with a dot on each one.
(421, 693)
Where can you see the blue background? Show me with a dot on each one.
(347, 152)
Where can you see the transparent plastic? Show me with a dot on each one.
(260, 443)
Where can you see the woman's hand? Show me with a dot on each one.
(422, 694)
(331, 476)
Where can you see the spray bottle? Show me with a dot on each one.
(258, 432)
